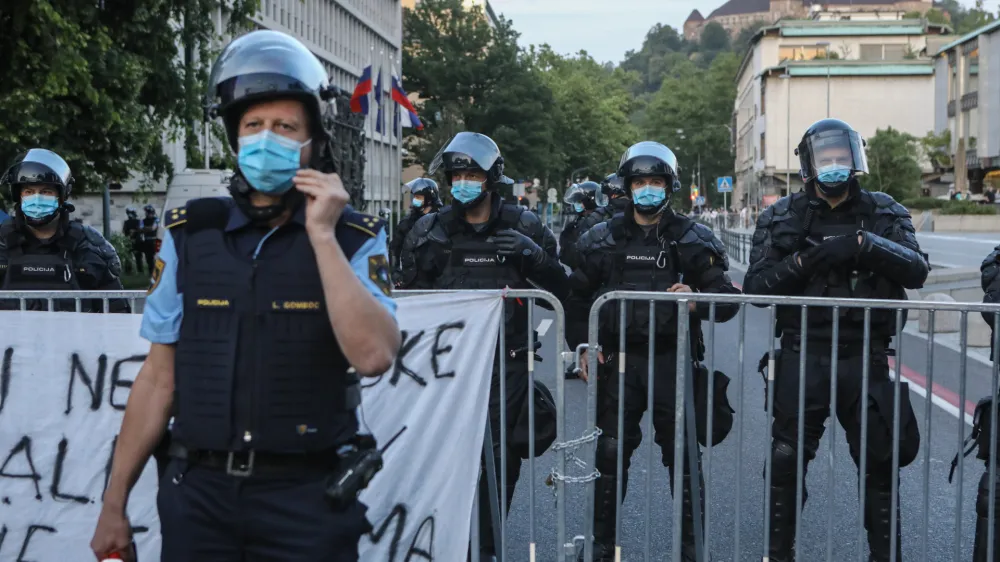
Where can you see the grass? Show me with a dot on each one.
(135, 281)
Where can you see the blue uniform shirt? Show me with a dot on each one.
(161, 318)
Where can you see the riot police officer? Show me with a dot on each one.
(834, 239)
(132, 229)
(616, 200)
(480, 242)
(647, 247)
(982, 431)
(242, 483)
(148, 227)
(41, 249)
(424, 198)
(584, 198)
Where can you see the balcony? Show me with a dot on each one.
(951, 108)
(970, 101)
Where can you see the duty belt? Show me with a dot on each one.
(849, 348)
(247, 463)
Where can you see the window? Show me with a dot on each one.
(763, 146)
(894, 53)
(763, 95)
(807, 52)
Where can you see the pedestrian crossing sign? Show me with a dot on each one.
(724, 185)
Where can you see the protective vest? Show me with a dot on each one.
(844, 282)
(642, 264)
(148, 229)
(472, 263)
(258, 366)
(41, 272)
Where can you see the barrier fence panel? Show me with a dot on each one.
(867, 393)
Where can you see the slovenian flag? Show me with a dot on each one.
(378, 100)
(359, 99)
(409, 117)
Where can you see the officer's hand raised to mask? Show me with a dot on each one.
(326, 198)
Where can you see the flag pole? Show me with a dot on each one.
(383, 153)
(370, 140)
(397, 126)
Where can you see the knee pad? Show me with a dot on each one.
(783, 461)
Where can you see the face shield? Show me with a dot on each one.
(467, 151)
(833, 156)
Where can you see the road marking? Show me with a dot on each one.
(939, 395)
(958, 238)
(950, 345)
(948, 265)
(544, 326)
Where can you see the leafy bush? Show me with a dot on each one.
(924, 203)
(123, 245)
(967, 208)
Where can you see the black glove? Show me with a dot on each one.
(512, 243)
(832, 252)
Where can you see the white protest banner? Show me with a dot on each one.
(64, 383)
(421, 502)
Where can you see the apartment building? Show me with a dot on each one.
(871, 73)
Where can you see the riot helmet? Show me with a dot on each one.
(585, 196)
(265, 66)
(46, 170)
(470, 152)
(131, 213)
(831, 156)
(149, 210)
(612, 186)
(427, 190)
(641, 163)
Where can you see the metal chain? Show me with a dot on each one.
(570, 446)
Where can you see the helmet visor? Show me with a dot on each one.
(467, 151)
(832, 150)
(40, 166)
(648, 158)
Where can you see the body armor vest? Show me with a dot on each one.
(258, 366)
(41, 272)
(472, 262)
(845, 282)
(148, 231)
(642, 264)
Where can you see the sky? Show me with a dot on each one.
(605, 28)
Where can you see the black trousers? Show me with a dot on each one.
(877, 481)
(206, 514)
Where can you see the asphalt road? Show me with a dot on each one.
(735, 490)
(958, 249)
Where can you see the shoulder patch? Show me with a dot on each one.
(365, 223)
(156, 275)
(175, 217)
(378, 273)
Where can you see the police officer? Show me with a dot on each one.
(584, 198)
(834, 239)
(647, 247)
(148, 227)
(41, 249)
(424, 198)
(982, 433)
(261, 305)
(132, 229)
(480, 242)
(3, 210)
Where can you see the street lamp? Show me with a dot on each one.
(826, 49)
(788, 132)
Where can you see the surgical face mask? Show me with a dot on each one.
(649, 196)
(578, 207)
(465, 191)
(269, 161)
(39, 206)
(417, 202)
(833, 179)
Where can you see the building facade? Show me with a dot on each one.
(346, 36)
(967, 105)
(736, 15)
(872, 74)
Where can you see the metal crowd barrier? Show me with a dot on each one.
(938, 518)
(738, 244)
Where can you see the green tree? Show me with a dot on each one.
(937, 147)
(742, 42)
(100, 83)
(691, 114)
(714, 40)
(470, 76)
(592, 107)
(965, 20)
(662, 50)
(893, 166)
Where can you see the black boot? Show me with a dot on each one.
(688, 537)
(782, 503)
(879, 517)
(979, 551)
(605, 511)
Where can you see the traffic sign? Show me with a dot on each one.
(552, 193)
(699, 201)
(724, 185)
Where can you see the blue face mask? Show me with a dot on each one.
(578, 207)
(417, 203)
(466, 190)
(649, 196)
(269, 161)
(833, 175)
(39, 206)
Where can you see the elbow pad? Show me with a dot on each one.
(899, 263)
(771, 281)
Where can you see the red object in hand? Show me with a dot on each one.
(112, 556)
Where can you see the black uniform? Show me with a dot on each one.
(132, 229)
(399, 236)
(570, 254)
(147, 236)
(982, 430)
(887, 261)
(443, 251)
(620, 255)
